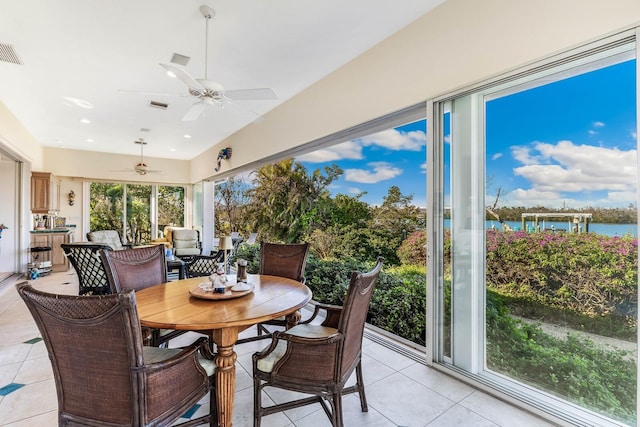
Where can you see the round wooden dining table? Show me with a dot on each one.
(171, 306)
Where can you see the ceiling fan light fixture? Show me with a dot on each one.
(142, 168)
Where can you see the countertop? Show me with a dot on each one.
(51, 230)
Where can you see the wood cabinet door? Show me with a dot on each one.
(40, 192)
(58, 260)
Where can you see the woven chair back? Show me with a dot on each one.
(136, 268)
(204, 265)
(284, 260)
(94, 344)
(85, 259)
(354, 313)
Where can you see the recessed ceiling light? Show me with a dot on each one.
(187, 136)
(89, 140)
(172, 149)
(171, 74)
(85, 120)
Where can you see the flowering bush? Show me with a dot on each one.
(413, 250)
(590, 274)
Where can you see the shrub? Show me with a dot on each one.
(588, 275)
(573, 368)
(398, 302)
(413, 250)
(250, 252)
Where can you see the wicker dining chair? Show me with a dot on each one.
(204, 265)
(85, 259)
(284, 260)
(104, 376)
(137, 269)
(318, 359)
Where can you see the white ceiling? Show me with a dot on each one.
(88, 53)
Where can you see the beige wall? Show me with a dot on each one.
(15, 139)
(92, 165)
(459, 43)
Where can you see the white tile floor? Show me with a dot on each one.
(400, 391)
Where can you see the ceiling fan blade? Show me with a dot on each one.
(258, 94)
(186, 78)
(195, 111)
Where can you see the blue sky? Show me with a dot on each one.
(375, 162)
(575, 144)
(571, 143)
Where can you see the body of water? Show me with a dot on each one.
(606, 229)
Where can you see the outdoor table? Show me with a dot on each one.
(171, 306)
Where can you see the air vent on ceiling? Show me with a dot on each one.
(180, 59)
(145, 130)
(8, 54)
(160, 105)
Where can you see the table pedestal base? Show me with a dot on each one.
(225, 360)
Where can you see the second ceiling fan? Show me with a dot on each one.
(210, 92)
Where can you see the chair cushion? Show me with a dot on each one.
(187, 251)
(182, 244)
(156, 354)
(107, 237)
(306, 331)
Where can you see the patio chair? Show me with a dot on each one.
(318, 359)
(85, 259)
(186, 243)
(204, 265)
(108, 237)
(104, 376)
(284, 260)
(137, 269)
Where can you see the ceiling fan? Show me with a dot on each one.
(210, 92)
(141, 168)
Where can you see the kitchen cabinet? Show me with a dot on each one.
(52, 239)
(45, 193)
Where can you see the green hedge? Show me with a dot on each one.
(573, 368)
(398, 303)
(588, 281)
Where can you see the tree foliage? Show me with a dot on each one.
(105, 206)
(170, 206)
(287, 202)
(397, 214)
(231, 205)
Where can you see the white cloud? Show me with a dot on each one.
(531, 194)
(523, 155)
(354, 190)
(566, 167)
(634, 134)
(347, 150)
(423, 168)
(598, 124)
(619, 197)
(395, 140)
(592, 132)
(381, 171)
(496, 156)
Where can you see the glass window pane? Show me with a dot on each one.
(170, 207)
(138, 214)
(105, 206)
(561, 239)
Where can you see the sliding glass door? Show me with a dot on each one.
(537, 232)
